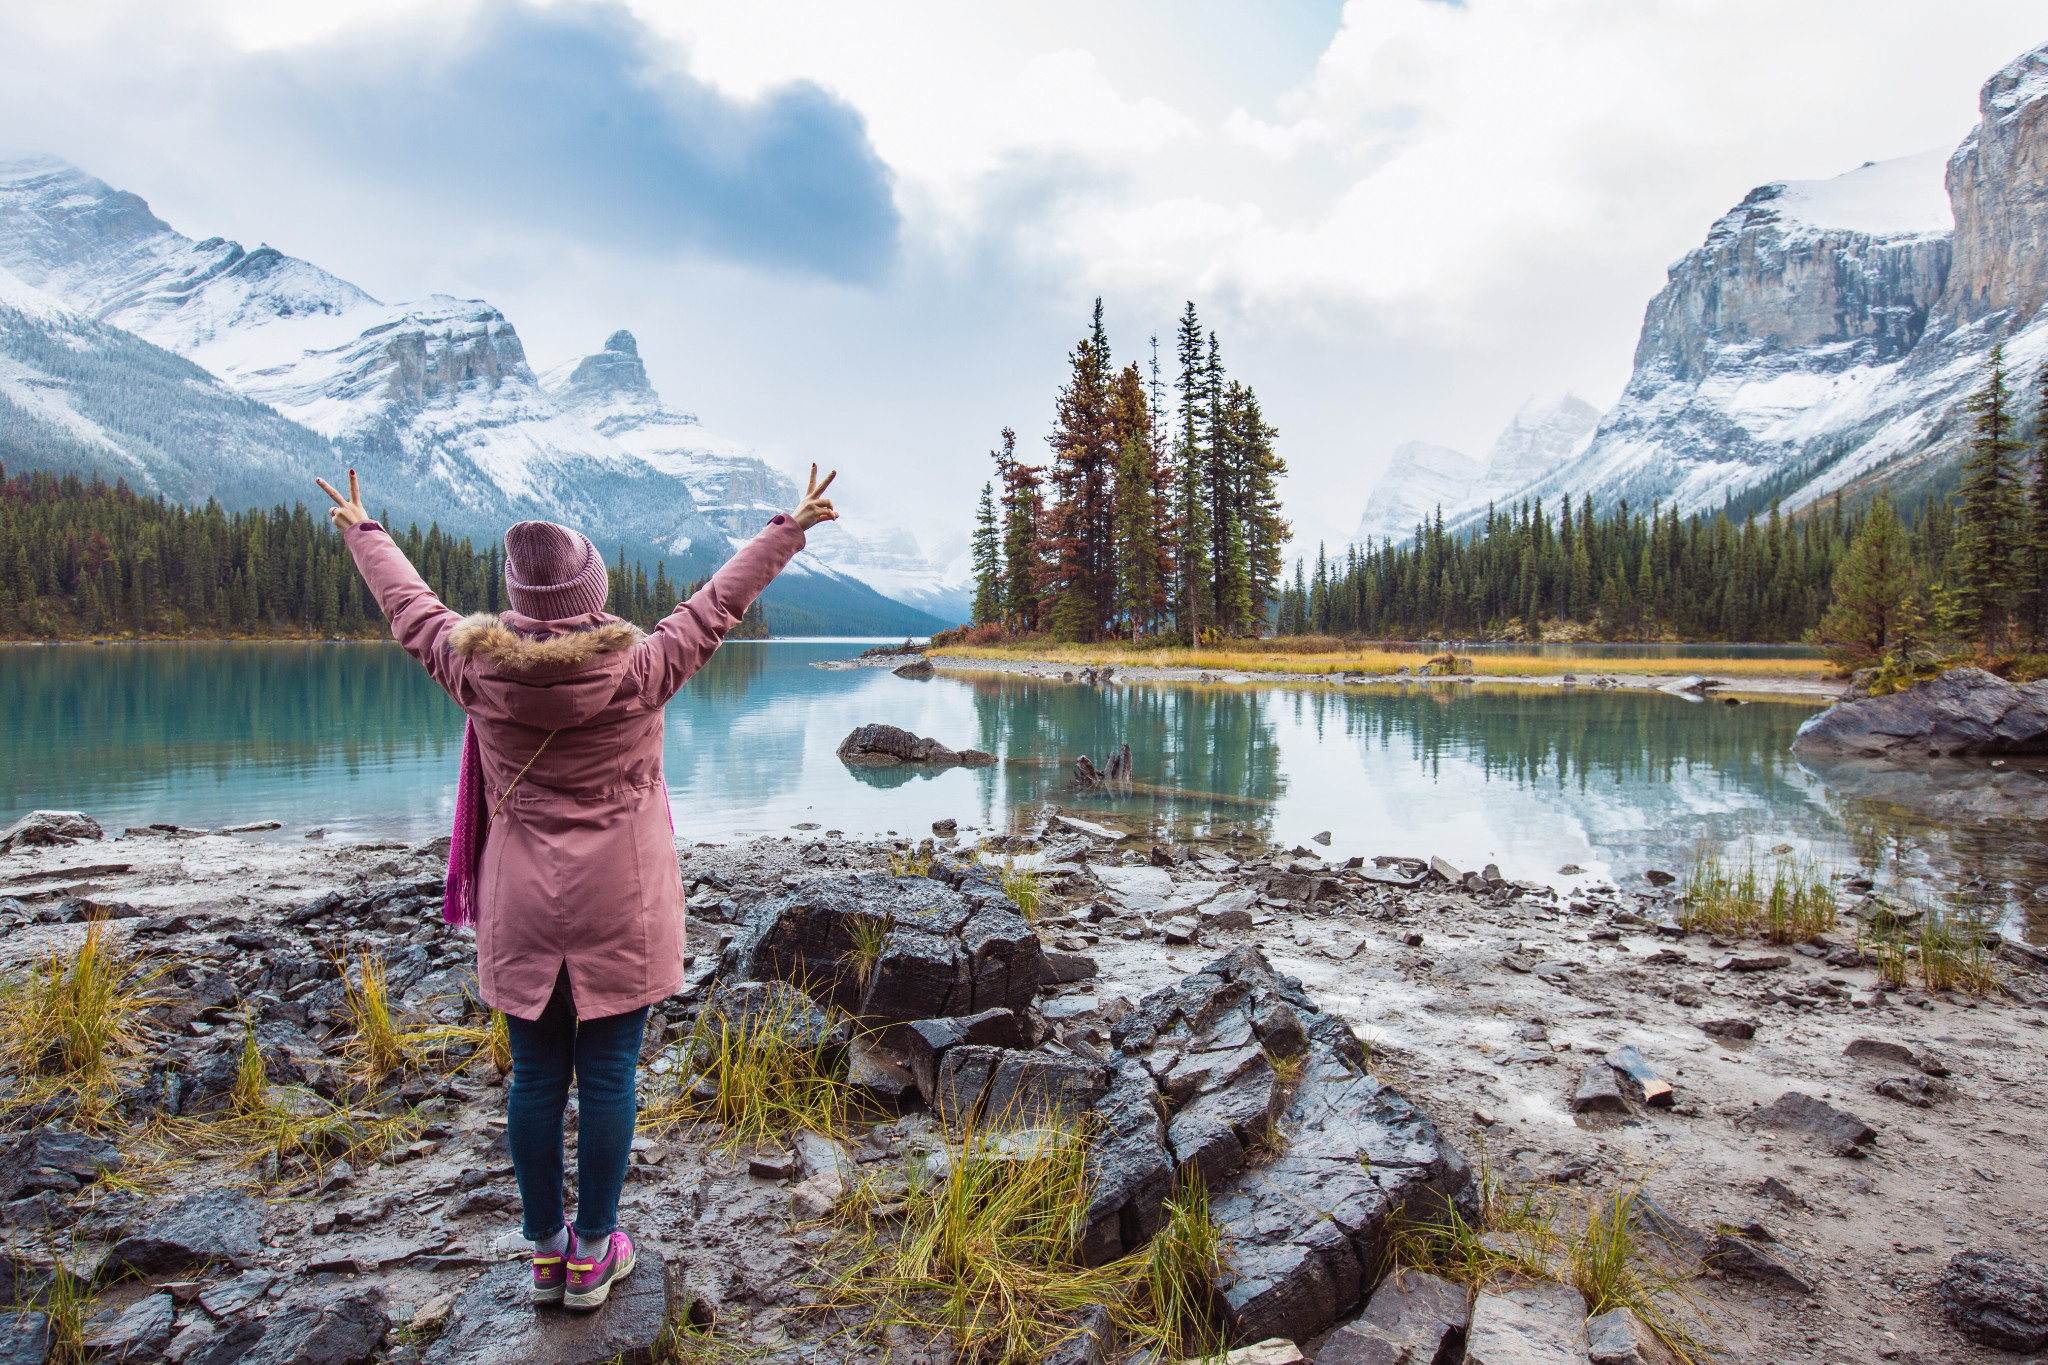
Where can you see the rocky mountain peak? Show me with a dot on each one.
(1998, 181)
(606, 378)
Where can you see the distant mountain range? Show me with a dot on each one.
(199, 369)
(1423, 479)
(1822, 338)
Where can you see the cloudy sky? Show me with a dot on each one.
(867, 233)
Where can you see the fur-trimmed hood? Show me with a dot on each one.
(487, 636)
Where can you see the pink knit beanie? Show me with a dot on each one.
(552, 572)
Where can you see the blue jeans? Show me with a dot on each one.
(601, 1054)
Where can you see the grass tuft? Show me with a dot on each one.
(1589, 1242)
(70, 1304)
(1946, 949)
(68, 1027)
(753, 1073)
(1182, 1262)
(1020, 884)
(498, 1043)
(869, 934)
(985, 1255)
(1797, 902)
(916, 862)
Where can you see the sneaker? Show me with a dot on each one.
(591, 1281)
(550, 1276)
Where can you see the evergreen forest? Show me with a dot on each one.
(1146, 519)
(84, 559)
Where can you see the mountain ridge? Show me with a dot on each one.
(435, 396)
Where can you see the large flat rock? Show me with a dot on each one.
(1528, 1324)
(1343, 1153)
(493, 1324)
(1964, 711)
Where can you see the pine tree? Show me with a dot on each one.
(2035, 615)
(988, 559)
(1022, 509)
(1991, 529)
(1873, 587)
(1191, 464)
(1079, 573)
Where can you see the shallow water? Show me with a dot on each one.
(355, 739)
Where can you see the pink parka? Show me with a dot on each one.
(580, 863)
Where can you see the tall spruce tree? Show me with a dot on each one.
(1141, 563)
(1022, 504)
(1873, 587)
(1079, 572)
(988, 559)
(1992, 524)
(2036, 615)
(1192, 560)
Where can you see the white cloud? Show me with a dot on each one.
(1436, 208)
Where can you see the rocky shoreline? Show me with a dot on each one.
(1595, 680)
(1826, 1146)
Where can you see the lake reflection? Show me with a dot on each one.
(356, 739)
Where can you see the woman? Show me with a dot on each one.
(563, 848)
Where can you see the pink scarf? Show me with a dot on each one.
(466, 841)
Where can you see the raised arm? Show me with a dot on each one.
(420, 622)
(694, 630)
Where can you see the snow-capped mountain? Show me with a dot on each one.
(736, 491)
(1826, 333)
(1422, 480)
(1419, 479)
(434, 398)
(78, 396)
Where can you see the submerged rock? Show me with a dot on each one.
(888, 744)
(1964, 711)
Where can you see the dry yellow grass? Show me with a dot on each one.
(1486, 665)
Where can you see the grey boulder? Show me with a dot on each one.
(1965, 711)
(55, 1159)
(1997, 1299)
(886, 744)
(139, 1332)
(1528, 1324)
(1413, 1318)
(949, 944)
(50, 829)
(1831, 1129)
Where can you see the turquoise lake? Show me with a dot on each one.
(354, 739)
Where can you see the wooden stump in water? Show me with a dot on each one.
(1116, 768)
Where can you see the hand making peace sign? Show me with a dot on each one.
(345, 513)
(815, 507)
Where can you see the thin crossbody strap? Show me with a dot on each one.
(515, 781)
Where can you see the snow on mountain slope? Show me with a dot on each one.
(78, 396)
(1826, 333)
(1542, 436)
(1420, 479)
